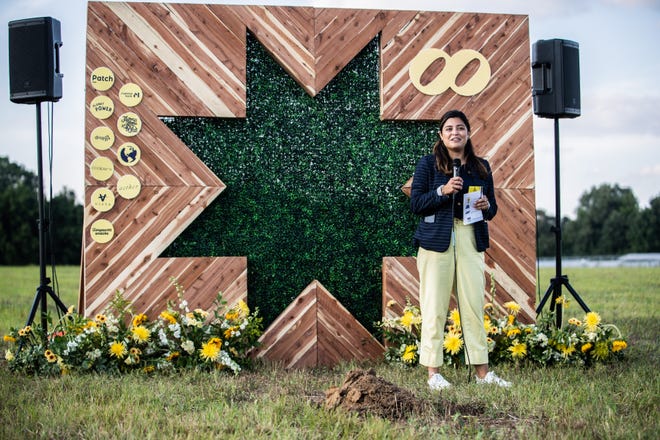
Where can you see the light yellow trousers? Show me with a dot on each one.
(439, 274)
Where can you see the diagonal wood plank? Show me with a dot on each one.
(316, 330)
(176, 185)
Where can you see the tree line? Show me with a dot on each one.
(19, 220)
(609, 221)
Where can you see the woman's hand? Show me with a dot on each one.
(454, 186)
(482, 203)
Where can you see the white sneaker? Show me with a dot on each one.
(492, 378)
(437, 382)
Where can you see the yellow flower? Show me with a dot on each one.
(228, 333)
(149, 369)
(407, 319)
(100, 318)
(514, 331)
(231, 315)
(455, 317)
(591, 321)
(172, 356)
(566, 351)
(510, 319)
(409, 354)
(9, 338)
(586, 347)
(9, 356)
(90, 324)
(243, 309)
(600, 350)
(141, 334)
(135, 351)
(202, 313)
(50, 356)
(391, 303)
(512, 307)
(25, 331)
(618, 345)
(518, 350)
(118, 350)
(488, 306)
(574, 321)
(209, 351)
(493, 330)
(139, 319)
(167, 316)
(452, 343)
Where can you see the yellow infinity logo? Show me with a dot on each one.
(447, 77)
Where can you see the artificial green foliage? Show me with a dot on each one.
(313, 185)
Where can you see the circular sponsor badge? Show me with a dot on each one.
(102, 107)
(101, 168)
(129, 124)
(102, 79)
(128, 154)
(129, 186)
(102, 138)
(102, 231)
(130, 94)
(103, 200)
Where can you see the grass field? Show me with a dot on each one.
(604, 402)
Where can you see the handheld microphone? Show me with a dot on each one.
(457, 165)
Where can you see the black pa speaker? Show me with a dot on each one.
(556, 78)
(34, 60)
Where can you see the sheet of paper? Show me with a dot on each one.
(470, 213)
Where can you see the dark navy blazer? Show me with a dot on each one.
(434, 229)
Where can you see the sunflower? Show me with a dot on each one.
(512, 307)
(591, 321)
(518, 350)
(50, 356)
(452, 343)
(407, 319)
(455, 317)
(167, 316)
(139, 319)
(118, 350)
(618, 345)
(210, 351)
(141, 334)
(409, 354)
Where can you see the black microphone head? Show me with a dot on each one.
(457, 164)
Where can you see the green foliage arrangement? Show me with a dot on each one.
(581, 342)
(119, 340)
(313, 185)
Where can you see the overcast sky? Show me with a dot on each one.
(616, 139)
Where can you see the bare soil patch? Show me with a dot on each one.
(367, 394)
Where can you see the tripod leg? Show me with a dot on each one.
(35, 306)
(58, 301)
(575, 295)
(545, 297)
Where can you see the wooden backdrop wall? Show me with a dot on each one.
(190, 60)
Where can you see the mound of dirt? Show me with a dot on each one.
(367, 394)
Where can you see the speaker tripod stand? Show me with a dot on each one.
(559, 280)
(44, 290)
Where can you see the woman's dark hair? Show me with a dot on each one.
(442, 160)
